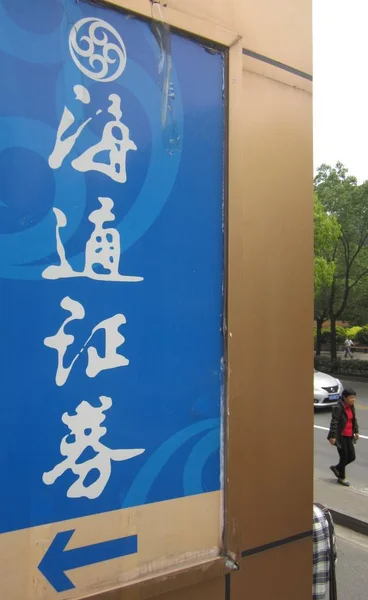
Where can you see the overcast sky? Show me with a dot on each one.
(340, 39)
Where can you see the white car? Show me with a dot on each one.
(327, 390)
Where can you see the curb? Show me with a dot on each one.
(349, 522)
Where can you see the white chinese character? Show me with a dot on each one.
(64, 145)
(85, 427)
(115, 141)
(102, 252)
(113, 340)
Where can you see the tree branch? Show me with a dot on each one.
(358, 279)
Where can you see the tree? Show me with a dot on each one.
(357, 309)
(327, 232)
(341, 197)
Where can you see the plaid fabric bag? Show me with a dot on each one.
(324, 554)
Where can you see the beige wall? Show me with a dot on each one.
(269, 449)
(270, 315)
(281, 30)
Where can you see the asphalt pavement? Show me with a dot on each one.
(351, 569)
(325, 455)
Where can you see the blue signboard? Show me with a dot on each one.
(111, 266)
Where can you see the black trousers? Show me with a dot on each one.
(347, 454)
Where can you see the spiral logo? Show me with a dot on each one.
(97, 49)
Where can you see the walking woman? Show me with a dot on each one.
(344, 433)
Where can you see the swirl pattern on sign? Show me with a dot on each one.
(97, 49)
(139, 491)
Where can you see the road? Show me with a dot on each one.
(352, 572)
(325, 455)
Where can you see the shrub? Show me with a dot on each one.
(341, 367)
(341, 333)
(326, 335)
(353, 332)
(362, 336)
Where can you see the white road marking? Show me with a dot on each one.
(363, 437)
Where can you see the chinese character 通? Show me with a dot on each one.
(102, 252)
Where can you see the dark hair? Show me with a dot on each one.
(348, 392)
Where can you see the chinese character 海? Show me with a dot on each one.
(95, 363)
(115, 141)
(85, 434)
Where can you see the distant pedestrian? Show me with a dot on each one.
(348, 344)
(324, 554)
(344, 433)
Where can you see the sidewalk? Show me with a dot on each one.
(348, 506)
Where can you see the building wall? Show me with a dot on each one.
(270, 286)
(281, 30)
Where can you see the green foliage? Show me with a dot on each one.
(352, 332)
(362, 336)
(327, 232)
(347, 292)
(323, 274)
(340, 335)
(357, 308)
(341, 368)
(326, 335)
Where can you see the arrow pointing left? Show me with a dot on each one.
(57, 559)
